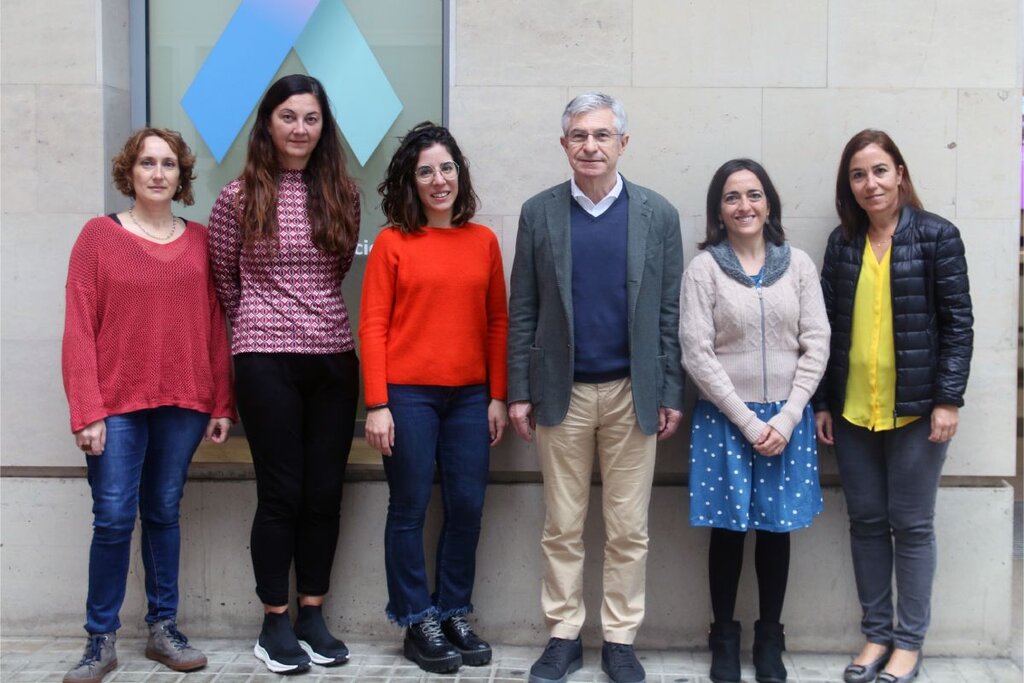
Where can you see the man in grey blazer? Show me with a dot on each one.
(594, 368)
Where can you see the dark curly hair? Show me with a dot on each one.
(400, 200)
(715, 231)
(124, 161)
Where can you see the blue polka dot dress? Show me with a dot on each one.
(734, 487)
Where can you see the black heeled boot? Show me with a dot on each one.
(724, 643)
(769, 644)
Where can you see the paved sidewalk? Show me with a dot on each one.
(38, 660)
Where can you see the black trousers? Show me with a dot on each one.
(725, 562)
(299, 414)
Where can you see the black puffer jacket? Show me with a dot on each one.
(931, 313)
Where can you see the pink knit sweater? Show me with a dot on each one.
(732, 361)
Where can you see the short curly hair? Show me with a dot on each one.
(121, 171)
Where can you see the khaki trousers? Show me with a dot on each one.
(601, 419)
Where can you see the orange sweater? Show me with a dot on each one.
(434, 311)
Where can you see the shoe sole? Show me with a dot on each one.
(574, 666)
(276, 666)
(183, 667)
(441, 665)
(475, 657)
(320, 659)
(98, 678)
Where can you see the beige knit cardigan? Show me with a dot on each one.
(733, 362)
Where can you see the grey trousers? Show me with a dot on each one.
(890, 480)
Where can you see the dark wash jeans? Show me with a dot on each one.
(299, 413)
(446, 428)
(890, 480)
(143, 467)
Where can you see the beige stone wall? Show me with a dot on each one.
(63, 114)
(786, 82)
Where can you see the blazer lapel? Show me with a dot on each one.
(556, 214)
(639, 226)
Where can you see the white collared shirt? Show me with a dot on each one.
(590, 207)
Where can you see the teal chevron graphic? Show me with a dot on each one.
(251, 49)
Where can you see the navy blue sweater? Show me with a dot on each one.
(599, 293)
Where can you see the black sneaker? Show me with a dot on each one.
(475, 650)
(560, 659)
(314, 638)
(278, 648)
(426, 645)
(620, 663)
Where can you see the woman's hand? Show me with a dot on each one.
(945, 419)
(770, 442)
(823, 424)
(92, 438)
(380, 430)
(217, 429)
(497, 419)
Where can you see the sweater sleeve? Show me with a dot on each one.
(220, 360)
(497, 325)
(81, 327)
(226, 249)
(813, 338)
(375, 311)
(697, 336)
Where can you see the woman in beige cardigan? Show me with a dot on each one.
(755, 342)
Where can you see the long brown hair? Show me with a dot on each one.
(331, 198)
(852, 217)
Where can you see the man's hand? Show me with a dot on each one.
(520, 414)
(668, 422)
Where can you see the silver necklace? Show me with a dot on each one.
(174, 227)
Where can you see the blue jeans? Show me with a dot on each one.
(890, 480)
(143, 467)
(444, 427)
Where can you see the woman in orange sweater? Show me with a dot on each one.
(433, 330)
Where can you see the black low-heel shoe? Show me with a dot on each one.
(866, 673)
(886, 677)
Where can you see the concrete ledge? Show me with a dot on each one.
(45, 525)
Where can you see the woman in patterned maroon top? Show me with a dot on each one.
(282, 237)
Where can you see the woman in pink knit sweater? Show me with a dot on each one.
(755, 342)
(147, 375)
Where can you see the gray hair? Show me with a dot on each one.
(592, 101)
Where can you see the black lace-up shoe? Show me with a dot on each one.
(426, 645)
(475, 650)
(560, 659)
(619, 661)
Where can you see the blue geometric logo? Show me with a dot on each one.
(250, 51)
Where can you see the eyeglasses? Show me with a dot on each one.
(601, 137)
(449, 171)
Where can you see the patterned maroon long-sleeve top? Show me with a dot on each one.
(282, 296)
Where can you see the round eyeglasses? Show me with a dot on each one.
(449, 170)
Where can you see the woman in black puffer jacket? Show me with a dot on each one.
(897, 295)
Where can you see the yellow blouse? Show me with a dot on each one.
(871, 384)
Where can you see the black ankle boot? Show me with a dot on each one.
(724, 642)
(769, 644)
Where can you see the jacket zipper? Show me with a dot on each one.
(764, 353)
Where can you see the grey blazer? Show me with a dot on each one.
(540, 335)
